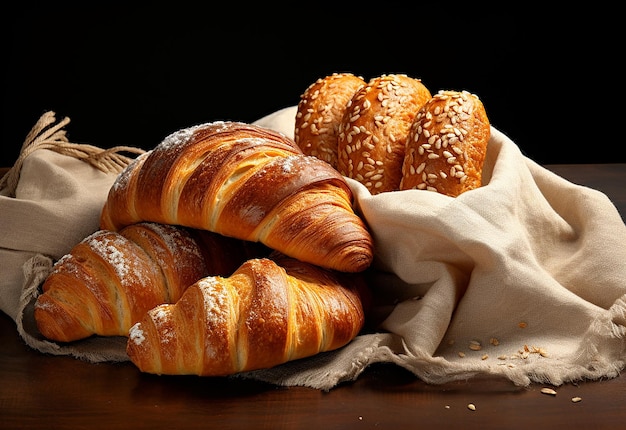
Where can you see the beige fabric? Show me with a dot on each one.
(47, 133)
(525, 277)
(57, 203)
(49, 201)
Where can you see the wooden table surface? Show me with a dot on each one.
(40, 391)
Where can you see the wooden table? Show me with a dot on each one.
(40, 391)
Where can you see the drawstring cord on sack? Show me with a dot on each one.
(47, 135)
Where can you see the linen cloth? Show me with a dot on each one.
(524, 277)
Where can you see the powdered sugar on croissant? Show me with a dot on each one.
(246, 182)
(110, 279)
(268, 312)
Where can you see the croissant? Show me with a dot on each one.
(110, 279)
(245, 182)
(268, 312)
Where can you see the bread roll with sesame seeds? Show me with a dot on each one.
(373, 131)
(447, 144)
(320, 112)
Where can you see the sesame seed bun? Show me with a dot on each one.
(320, 111)
(447, 144)
(372, 135)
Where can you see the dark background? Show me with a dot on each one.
(131, 74)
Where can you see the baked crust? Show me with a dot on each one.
(268, 312)
(320, 111)
(110, 279)
(447, 144)
(249, 183)
(373, 131)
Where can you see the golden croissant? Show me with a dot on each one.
(269, 311)
(245, 182)
(111, 279)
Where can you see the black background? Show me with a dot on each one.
(131, 74)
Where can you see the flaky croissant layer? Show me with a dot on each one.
(111, 279)
(246, 182)
(265, 314)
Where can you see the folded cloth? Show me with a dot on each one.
(49, 201)
(522, 278)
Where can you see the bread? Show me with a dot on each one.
(109, 279)
(249, 183)
(265, 314)
(373, 131)
(447, 144)
(319, 113)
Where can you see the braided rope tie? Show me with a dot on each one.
(45, 134)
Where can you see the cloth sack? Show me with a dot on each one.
(49, 201)
(522, 278)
